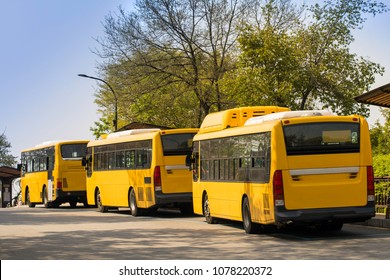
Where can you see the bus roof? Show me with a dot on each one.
(138, 134)
(266, 122)
(131, 132)
(287, 115)
(235, 117)
(51, 143)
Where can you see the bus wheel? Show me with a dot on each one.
(249, 226)
(186, 209)
(45, 198)
(73, 203)
(329, 226)
(135, 211)
(206, 210)
(100, 206)
(28, 201)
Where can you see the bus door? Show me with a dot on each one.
(50, 168)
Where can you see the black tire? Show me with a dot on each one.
(28, 201)
(186, 209)
(206, 210)
(134, 210)
(73, 203)
(45, 198)
(336, 226)
(248, 225)
(100, 207)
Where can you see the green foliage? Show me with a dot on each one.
(381, 164)
(101, 127)
(6, 159)
(173, 62)
(380, 135)
(308, 65)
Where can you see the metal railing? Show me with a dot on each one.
(382, 199)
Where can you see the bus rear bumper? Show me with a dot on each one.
(310, 216)
(166, 199)
(64, 196)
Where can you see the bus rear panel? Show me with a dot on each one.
(328, 174)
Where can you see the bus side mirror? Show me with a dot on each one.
(189, 161)
(19, 167)
(83, 161)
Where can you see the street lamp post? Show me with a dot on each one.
(115, 121)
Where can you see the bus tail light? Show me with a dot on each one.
(278, 188)
(59, 184)
(370, 184)
(157, 179)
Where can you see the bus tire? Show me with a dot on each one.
(134, 210)
(206, 210)
(331, 226)
(73, 203)
(45, 198)
(248, 225)
(28, 200)
(186, 209)
(101, 208)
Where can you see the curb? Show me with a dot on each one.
(375, 222)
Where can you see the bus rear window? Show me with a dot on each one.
(322, 138)
(73, 151)
(177, 144)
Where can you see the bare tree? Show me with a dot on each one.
(185, 42)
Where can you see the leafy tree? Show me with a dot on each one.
(380, 135)
(101, 127)
(174, 61)
(309, 64)
(6, 159)
(179, 45)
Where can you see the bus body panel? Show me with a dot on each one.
(60, 172)
(72, 175)
(34, 182)
(323, 181)
(176, 177)
(324, 161)
(115, 183)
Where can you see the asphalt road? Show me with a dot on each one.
(84, 234)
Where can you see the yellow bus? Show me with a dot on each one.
(287, 167)
(52, 174)
(140, 169)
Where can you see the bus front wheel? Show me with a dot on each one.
(206, 210)
(28, 200)
(99, 203)
(249, 226)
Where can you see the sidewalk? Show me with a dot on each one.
(378, 221)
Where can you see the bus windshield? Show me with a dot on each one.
(73, 151)
(322, 138)
(177, 144)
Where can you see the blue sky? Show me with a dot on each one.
(46, 43)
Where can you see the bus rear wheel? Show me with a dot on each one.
(248, 225)
(45, 198)
(73, 203)
(335, 225)
(206, 210)
(135, 211)
(99, 203)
